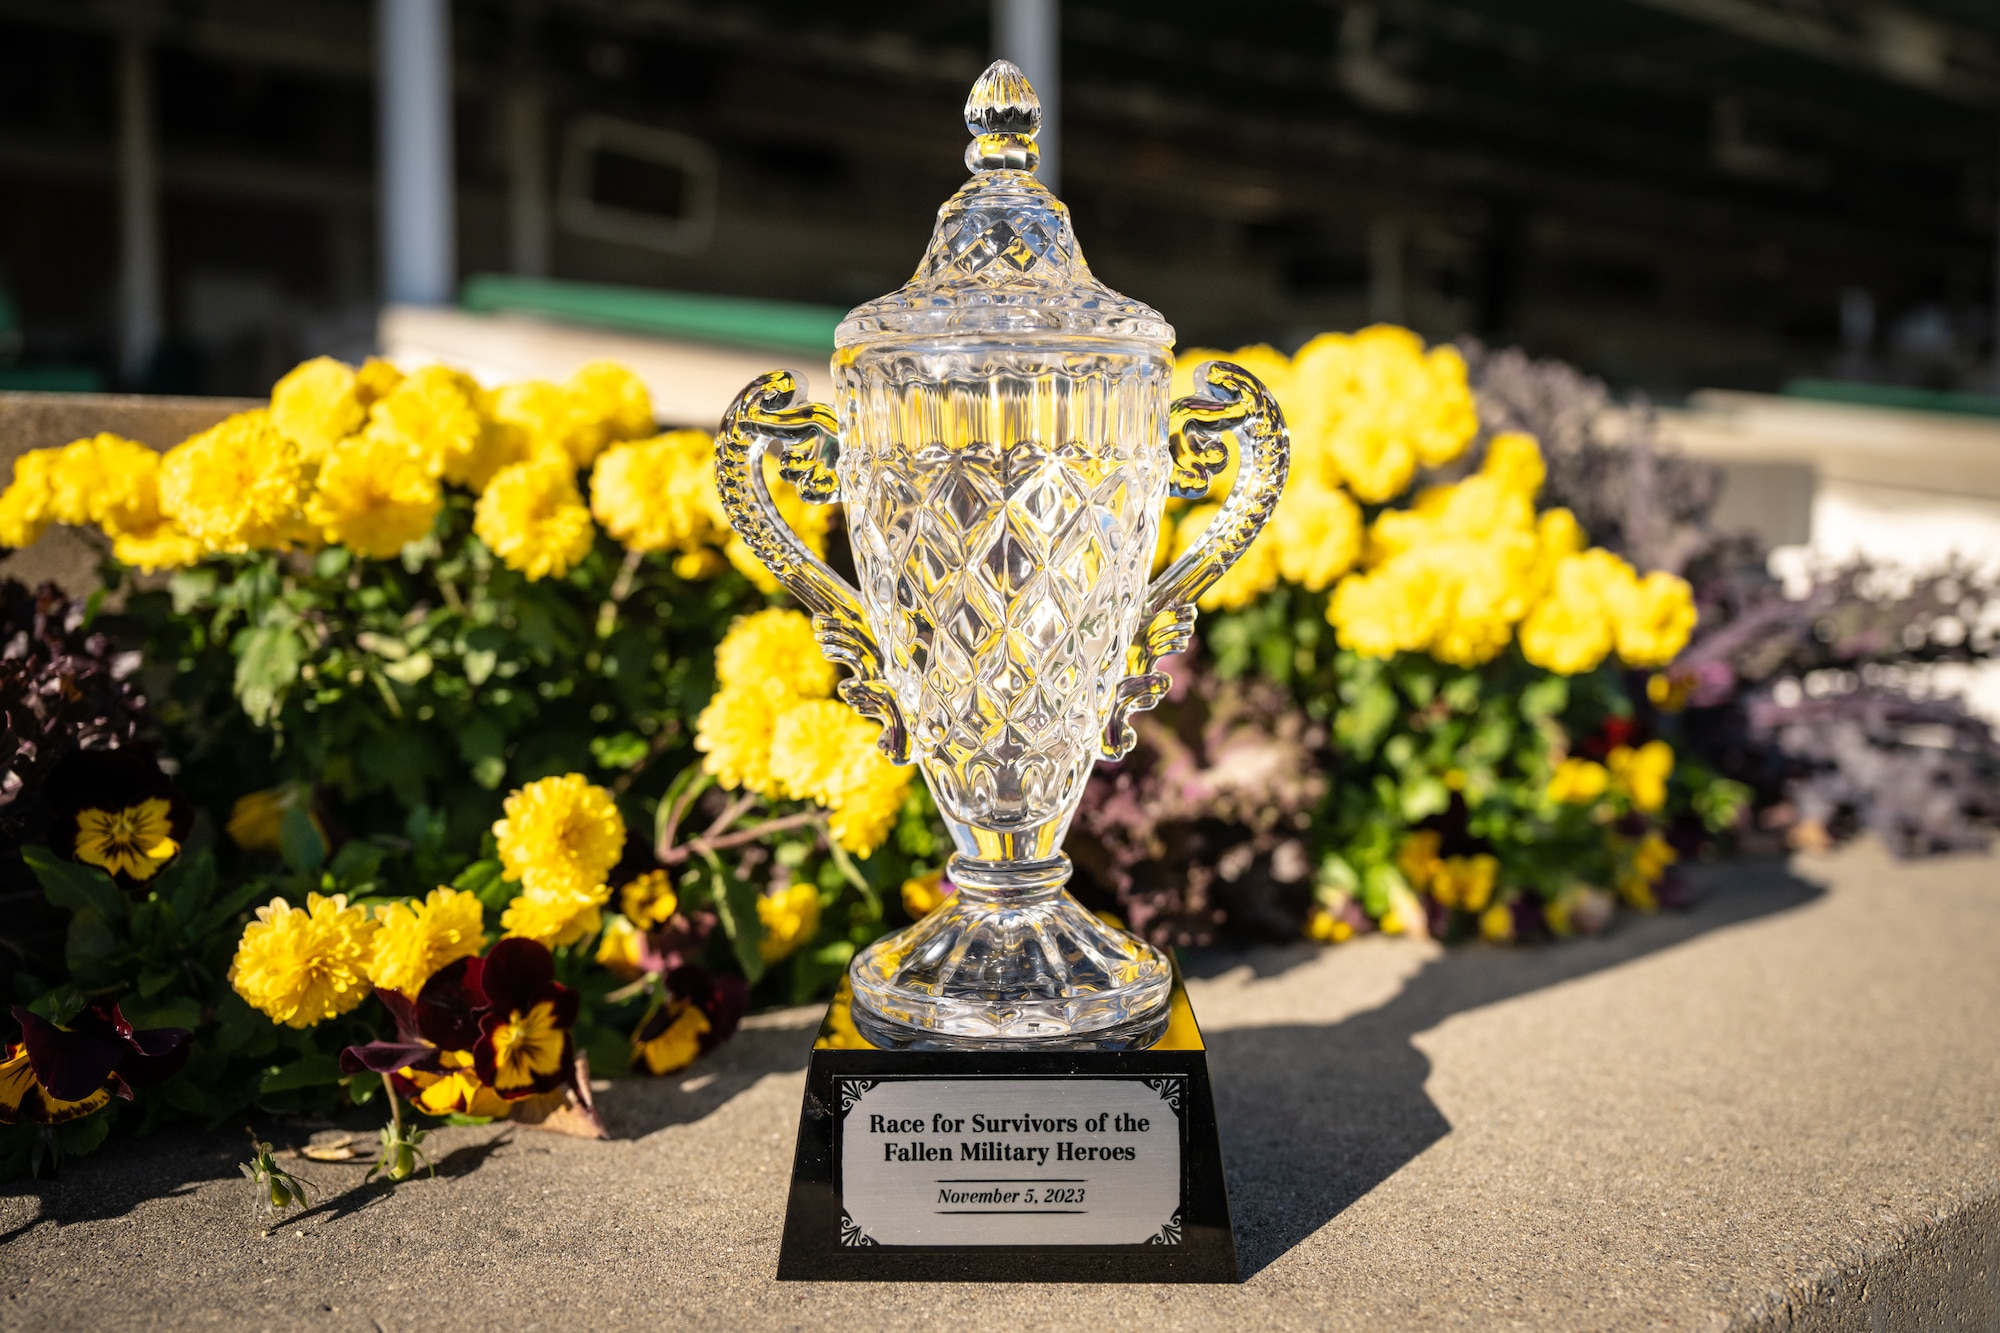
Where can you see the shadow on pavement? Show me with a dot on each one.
(634, 1107)
(1314, 1117)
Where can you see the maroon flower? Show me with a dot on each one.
(701, 1012)
(524, 1035)
(65, 1073)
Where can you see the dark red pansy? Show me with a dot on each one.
(65, 1072)
(524, 1035)
(447, 1009)
(723, 1000)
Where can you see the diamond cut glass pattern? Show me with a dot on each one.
(1003, 525)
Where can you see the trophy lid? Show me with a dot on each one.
(1003, 259)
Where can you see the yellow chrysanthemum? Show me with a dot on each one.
(24, 507)
(413, 940)
(1453, 574)
(1316, 532)
(373, 497)
(869, 808)
(317, 404)
(125, 497)
(532, 517)
(301, 966)
(375, 380)
(659, 494)
(650, 900)
(1466, 882)
(76, 473)
(135, 841)
(733, 734)
(235, 487)
(1571, 629)
(560, 835)
(601, 403)
(1642, 773)
(1578, 782)
(790, 918)
(1367, 409)
(775, 650)
(1653, 619)
(164, 547)
(823, 751)
(436, 414)
(614, 404)
(558, 918)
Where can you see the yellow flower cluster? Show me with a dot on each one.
(413, 940)
(354, 456)
(774, 728)
(790, 917)
(1468, 566)
(302, 966)
(1463, 882)
(1464, 569)
(559, 840)
(1638, 775)
(1365, 409)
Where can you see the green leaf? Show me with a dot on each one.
(221, 913)
(76, 887)
(484, 749)
(410, 670)
(479, 664)
(301, 845)
(486, 881)
(1545, 698)
(625, 750)
(1423, 796)
(309, 1071)
(736, 905)
(188, 884)
(1370, 711)
(90, 946)
(154, 980)
(177, 1011)
(87, 1135)
(267, 662)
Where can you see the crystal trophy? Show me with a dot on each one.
(1002, 439)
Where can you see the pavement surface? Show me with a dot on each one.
(1781, 1110)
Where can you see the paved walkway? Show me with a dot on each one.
(1782, 1109)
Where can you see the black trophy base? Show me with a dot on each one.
(1008, 1165)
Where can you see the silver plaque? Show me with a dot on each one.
(1010, 1161)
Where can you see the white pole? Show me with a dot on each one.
(413, 75)
(1026, 32)
(138, 214)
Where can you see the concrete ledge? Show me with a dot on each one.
(1781, 1110)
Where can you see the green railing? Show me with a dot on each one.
(784, 325)
(1892, 395)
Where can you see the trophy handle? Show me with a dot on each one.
(769, 411)
(1231, 401)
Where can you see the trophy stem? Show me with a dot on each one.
(1011, 961)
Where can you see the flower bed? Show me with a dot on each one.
(447, 747)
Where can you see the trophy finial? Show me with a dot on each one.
(1004, 114)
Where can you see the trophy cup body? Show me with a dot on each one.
(1003, 440)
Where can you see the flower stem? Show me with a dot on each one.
(395, 1106)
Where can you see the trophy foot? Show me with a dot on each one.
(1020, 969)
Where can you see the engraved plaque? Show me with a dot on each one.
(1011, 1161)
